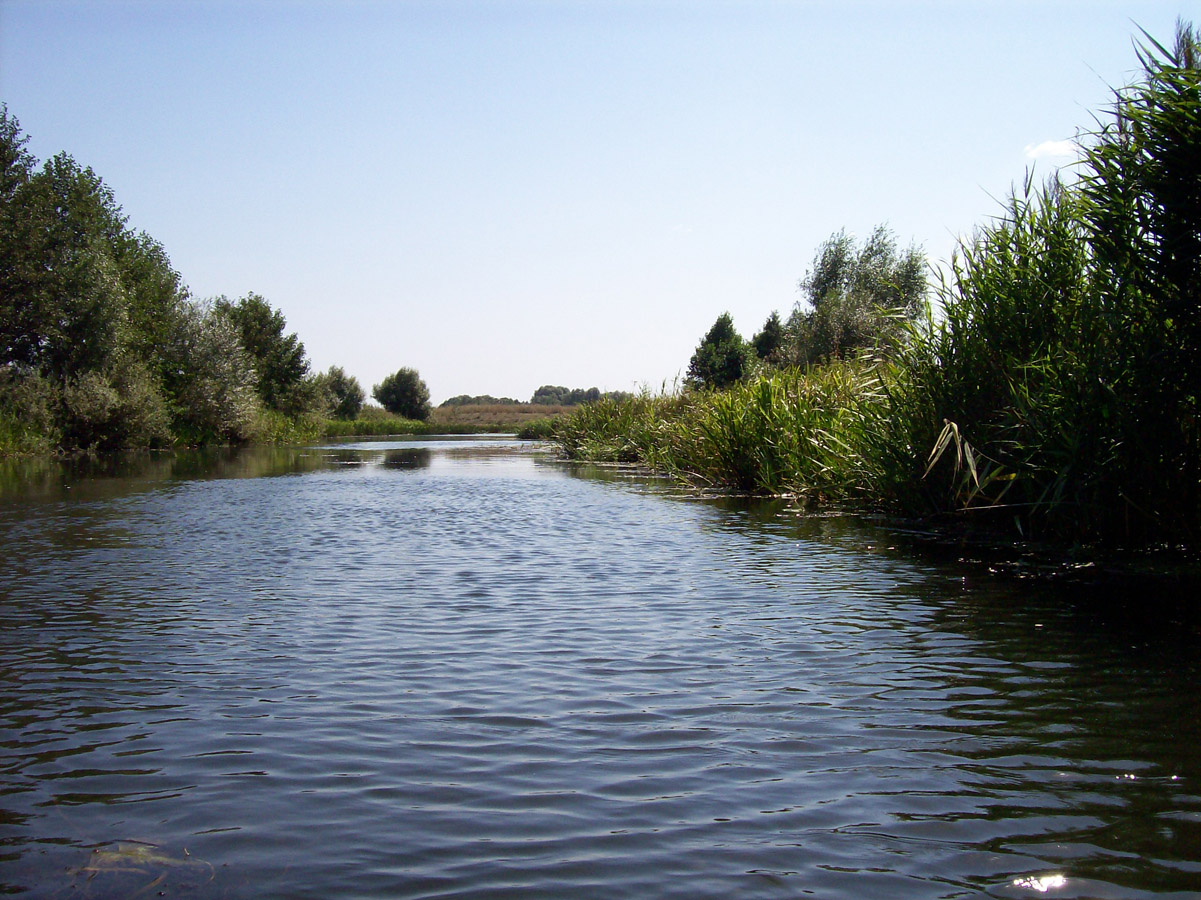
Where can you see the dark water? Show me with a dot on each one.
(465, 670)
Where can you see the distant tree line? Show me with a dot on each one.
(557, 395)
(479, 400)
(547, 395)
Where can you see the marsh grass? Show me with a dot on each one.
(508, 417)
(1056, 392)
(811, 434)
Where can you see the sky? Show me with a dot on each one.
(504, 194)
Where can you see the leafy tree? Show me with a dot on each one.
(279, 358)
(855, 295)
(62, 301)
(211, 378)
(721, 358)
(345, 394)
(769, 339)
(403, 393)
(155, 296)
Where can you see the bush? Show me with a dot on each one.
(27, 412)
(120, 408)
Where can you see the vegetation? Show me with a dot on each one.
(1054, 390)
(343, 394)
(101, 345)
(403, 393)
(856, 298)
(481, 400)
(557, 395)
(501, 417)
(721, 358)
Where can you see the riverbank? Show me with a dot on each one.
(1051, 390)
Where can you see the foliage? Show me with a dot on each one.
(855, 298)
(721, 357)
(810, 434)
(384, 423)
(770, 339)
(1057, 389)
(211, 379)
(113, 409)
(404, 394)
(28, 402)
(557, 395)
(279, 359)
(342, 394)
(102, 347)
(1061, 387)
(480, 400)
(62, 297)
(537, 430)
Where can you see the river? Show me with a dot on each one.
(463, 669)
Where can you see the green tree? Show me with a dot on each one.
(63, 307)
(279, 359)
(767, 342)
(345, 394)
(855, 296)
(403, 393)
(721, 357)
(210, 378)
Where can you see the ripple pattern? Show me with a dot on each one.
(472, 672)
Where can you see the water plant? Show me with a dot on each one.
(1055, 386)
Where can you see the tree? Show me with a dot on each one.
(768, 341)
(854, 297)
(720, 358)
(63, 307)
(345, 394)
(403, 393)
(279, 358)
(211, 380)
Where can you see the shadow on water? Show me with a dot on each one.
(409, 458)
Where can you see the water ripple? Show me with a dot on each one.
(468, 672)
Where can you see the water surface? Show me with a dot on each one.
(437, 669)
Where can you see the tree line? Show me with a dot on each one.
(546, 395)
(102, 346)
(857, 297)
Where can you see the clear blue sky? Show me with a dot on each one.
(515, 193)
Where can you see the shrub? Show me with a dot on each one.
(403, 393)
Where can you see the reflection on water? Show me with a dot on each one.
(447, 669)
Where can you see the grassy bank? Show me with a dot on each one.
(812, 434)
(1056, 392)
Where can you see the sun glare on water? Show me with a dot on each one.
(1042, 884)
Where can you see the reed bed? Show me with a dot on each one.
(1056, 391)
(809, 434)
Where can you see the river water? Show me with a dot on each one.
(462, 669)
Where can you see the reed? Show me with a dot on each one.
(802, 433)
(1056, 391)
